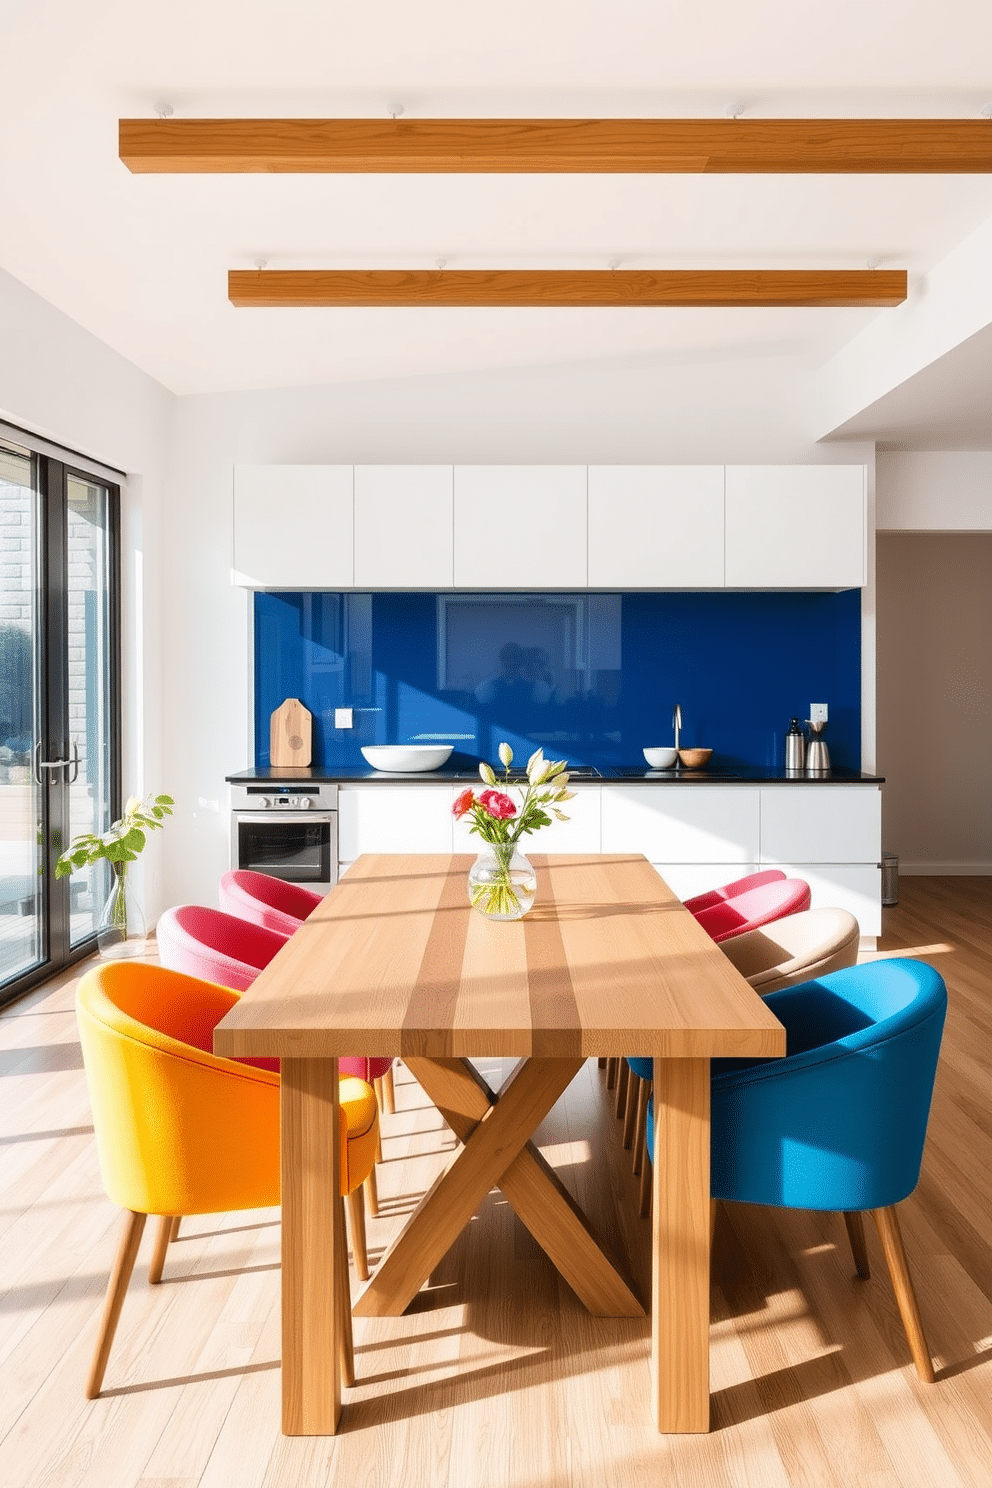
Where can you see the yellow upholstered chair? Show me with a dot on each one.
(181, 1131)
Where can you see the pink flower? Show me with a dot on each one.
(497, 804)
(464, 803)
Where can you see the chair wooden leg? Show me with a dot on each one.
(356, 1224)
(127, 1252)
(165, 1232)
(630, 1109)
(856, 1234)
(345, 1338)
(644, 1202)
(623, 1079)
(895, 1257)
(611, 1071)
(390, 1091)
(372, 1194)
(177, 1220)
(641, 1125)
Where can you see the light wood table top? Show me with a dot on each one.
(395, 962)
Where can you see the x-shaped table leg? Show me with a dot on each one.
(495, 1129)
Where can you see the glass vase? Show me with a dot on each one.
(121, 931)
(501, 882)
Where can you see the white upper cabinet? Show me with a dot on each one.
(796, 526)
(403, 527)
(294, 526)
(520, 527)
(656, 526)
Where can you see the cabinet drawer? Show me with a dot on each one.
(682, 823)
(856, 887)
(394, 818)
(821, 824)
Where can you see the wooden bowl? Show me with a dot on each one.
(694, 758)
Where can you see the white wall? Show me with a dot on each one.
(934, 491)
(58, 381)
(748, 412)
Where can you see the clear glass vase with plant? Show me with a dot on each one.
(502, 883)
(121, 928)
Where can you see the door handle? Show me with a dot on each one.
(62, 764)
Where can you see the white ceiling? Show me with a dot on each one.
(141, 261)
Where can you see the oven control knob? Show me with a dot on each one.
(265, 803)
(303, 803)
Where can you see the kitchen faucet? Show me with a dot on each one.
(677, 722)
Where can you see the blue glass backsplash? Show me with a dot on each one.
(592, 677)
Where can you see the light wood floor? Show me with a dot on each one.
(497, 1376)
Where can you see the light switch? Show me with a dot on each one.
(817, 712)
(342, 718)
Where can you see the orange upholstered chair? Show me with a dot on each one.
(180, 1130)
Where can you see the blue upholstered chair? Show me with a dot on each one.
(840, 1122)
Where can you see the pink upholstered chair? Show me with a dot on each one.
(266, 901)
(760, 906)
(281, 908)
(220, 947)
(731, 890)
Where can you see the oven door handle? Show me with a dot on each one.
(295, 818)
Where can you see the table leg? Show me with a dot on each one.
(311, 1219)
(497, 1150)
(680, 1292)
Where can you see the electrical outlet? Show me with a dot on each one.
(817, 712)
(342, 718)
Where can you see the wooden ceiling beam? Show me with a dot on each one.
(308, 288)
(601, 146)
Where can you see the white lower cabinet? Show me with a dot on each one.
(830, 835)
(821, 824)
(697, 837)
(856, 887)
(682, 823)
(394, 818)
(686, 880)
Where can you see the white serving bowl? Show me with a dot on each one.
(407, 757)
(660, 759)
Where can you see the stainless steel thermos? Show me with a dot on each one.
(795, 748)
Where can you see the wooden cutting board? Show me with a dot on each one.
(290, 734)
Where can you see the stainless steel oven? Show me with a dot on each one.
(288, 829)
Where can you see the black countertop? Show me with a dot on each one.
(460, 767)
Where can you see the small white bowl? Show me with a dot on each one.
(405, 758)
(660, 759)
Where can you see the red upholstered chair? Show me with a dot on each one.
(760, 906)
(266, 901)
(730, 890)
(219, 947)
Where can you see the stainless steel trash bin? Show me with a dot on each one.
(890, 879)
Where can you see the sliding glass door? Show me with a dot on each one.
(59, 703)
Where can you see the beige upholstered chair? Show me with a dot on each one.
(795, 949)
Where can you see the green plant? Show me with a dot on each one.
(122, 842)
(119, 845)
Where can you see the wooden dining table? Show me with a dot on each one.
(395, 962)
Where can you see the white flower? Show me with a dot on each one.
(506, 756)
(536, 767)
(487, 773)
